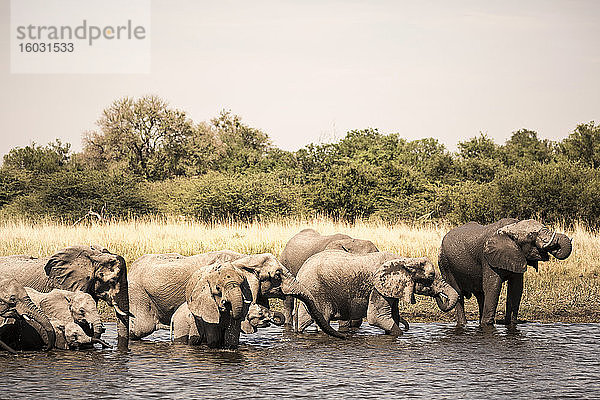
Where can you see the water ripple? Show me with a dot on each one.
(430, 360)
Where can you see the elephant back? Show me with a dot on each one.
(27, 270)
(303, 245)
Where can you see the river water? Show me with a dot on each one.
(431, 360)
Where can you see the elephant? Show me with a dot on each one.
(478, 259)
(90, 269)
(350, 286)
(309, 242)
(261, 317)
(158, 282)
(25, 326)
(73, 315)
(157, 286)
(215, 311)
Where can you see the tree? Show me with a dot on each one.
(241, 146)
(525, 147)
(478, 147)
(35, 158)
(478, 159)
(583, 145)
(145, 136)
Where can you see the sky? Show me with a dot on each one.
(309, 71)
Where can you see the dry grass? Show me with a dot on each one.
(561, 291)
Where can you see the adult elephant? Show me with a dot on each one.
(309, 242)
(73, 315)
(477, 259)
(215, 310)
(351, 286)
(24, 326)
(90, 269)
(157, 285)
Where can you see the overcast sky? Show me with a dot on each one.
(307, 71)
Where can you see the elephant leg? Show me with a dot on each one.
(480, 301)
(513, 299)
(380, 314)
(396, 315)
(461, 319)
(492, 285)
(288, 307)
(303, 318)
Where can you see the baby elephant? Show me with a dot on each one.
(261, 317)
(73, 315)
(184, 328)
(352, 286)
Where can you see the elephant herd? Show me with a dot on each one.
(211, 298)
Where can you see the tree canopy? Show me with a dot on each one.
(149, 157)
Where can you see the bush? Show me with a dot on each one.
(218, 197)
(69, 195)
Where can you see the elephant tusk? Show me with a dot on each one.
(122, 313)
(549, 242)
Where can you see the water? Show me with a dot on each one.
(429, 361)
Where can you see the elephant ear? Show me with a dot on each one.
(71, 268)
(500, 251)
(201, 302)
(392, 279)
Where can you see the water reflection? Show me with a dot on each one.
(534, 360)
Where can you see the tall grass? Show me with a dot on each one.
(566, 290)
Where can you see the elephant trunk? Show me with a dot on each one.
(121, 305)
(6, 347)
(102, 342)
(290, 286)
(233, 294)
(563, 246)
(42, 323)
(97, 327)
(444, 294)
(277, 318)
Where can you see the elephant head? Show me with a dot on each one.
(355, 246)
(267, 277)
(261, 317)
(523, 243)
(15, 303)
(98, 272)
(402, 278)
(218, 290)
(85, 313)
(71, 336)
(445, 295)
